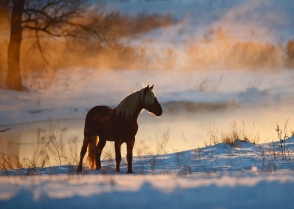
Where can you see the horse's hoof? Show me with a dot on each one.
(117, 171)
(98, 167)
(130, 172)
(79, 170)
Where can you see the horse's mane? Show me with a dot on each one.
(127, 107)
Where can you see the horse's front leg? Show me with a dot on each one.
(130, 145)
(117, 145)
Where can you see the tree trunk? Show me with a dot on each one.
(13, 81)
(4, 5)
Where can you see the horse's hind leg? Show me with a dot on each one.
(83, 152)
(99, 148)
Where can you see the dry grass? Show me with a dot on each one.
(233, 136)
(52, 149)
(220, 50)
(290, 54)
(161, 148)
(283, 136)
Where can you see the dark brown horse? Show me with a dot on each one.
(118, 125)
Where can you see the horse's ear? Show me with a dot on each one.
(152, 87)
(145, 91)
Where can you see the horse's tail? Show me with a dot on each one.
(92, 151)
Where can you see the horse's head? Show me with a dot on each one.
(150, 101)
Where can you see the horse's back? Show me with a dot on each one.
(99, 110)
(99, 120)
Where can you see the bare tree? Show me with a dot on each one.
(55, 18)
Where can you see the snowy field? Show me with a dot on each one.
(219, 176)
(250, 190)
(202, 97)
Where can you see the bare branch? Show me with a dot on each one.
(62, 19)
(5, 130)
(31, 11)
(40, 48)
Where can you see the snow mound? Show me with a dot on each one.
(91, 191)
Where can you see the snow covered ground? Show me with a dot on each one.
(250, 190)
(218, 176)
(198, 98)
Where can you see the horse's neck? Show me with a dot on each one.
(137, 111)
(131, 116)
(130, 108)
(128, 113)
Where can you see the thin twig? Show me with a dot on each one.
(5, 129)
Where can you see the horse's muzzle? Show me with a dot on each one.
(159, 113)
